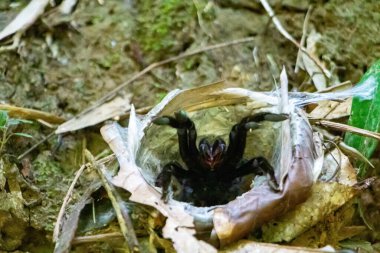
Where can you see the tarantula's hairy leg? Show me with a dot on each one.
(187, 136)
(258, 166)
(265, 116)
(163, 179)
(238, 133)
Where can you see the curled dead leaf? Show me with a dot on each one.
(260, 205)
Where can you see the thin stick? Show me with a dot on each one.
(347, 150)
(336, 86)
(287, 35)
(35, 146)
(337, 163)
(303, 38)
(105, 159)
(142, 110)
(57, 227)
(200, 20)
(112, 93)
(31, 114)
(15, 44)
(122, 215)
(97, 238)
(347, 128)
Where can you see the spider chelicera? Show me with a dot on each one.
(213, 169)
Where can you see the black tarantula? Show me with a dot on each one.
(213, 169)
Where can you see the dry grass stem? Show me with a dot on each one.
(287, 35)
(97, 238)
(122, 215)
(31, 114)
(347, 128)
(303, 39)
(336, 87)
(35, 146)
(58, 224)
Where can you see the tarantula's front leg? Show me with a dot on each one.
(187, 136)
(238, 134)
(258, 166)
(163, 179)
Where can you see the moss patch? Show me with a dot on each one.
(168, 26)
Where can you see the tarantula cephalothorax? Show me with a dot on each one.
(213, 169)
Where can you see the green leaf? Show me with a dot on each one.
(365, 114)
(23, 135)
(3, 118)
(356, 244)
(161, 95)
(12, 122)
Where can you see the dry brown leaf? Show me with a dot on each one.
(326, 196)
(116, 107)
(336, 161)
(245, 246)
(311, 68)
(25, 18)
(332, 110)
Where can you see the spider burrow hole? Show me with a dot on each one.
(160, 146)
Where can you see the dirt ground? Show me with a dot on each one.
(66, 63)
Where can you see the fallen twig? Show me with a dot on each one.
(336, 87)
(69, 227)
(106, 159)
(15, 44)
(111, 109)
(122, 215)
(158, 64)
(287, 35)
(35, 146)
(58, 224)
(200, 19)
(347, 150)
(347, 128)
(31, 114)
(142, 110)
(97, 238)
(303, 38)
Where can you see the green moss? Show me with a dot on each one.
(162, 25)
(46, 169)
(109, 60)
(50, 179)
